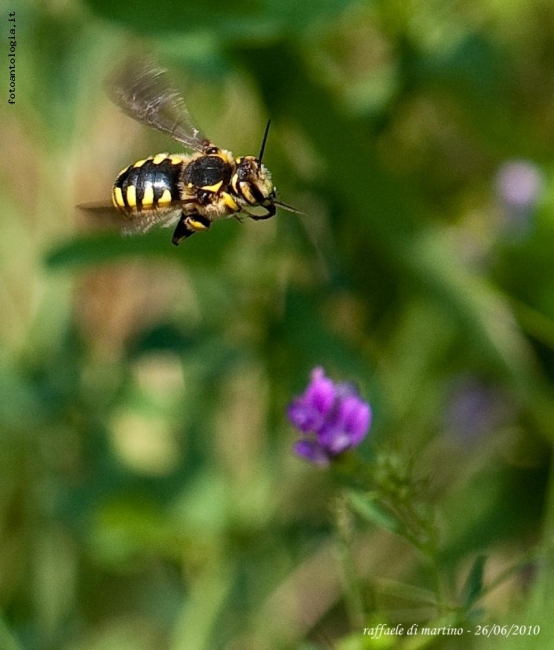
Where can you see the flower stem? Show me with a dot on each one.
(352, 588)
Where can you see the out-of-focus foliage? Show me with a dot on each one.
(149, 498)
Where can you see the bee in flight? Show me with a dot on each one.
(188, 191)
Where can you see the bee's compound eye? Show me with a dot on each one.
(247, 168)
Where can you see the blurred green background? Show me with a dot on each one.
(149, 498)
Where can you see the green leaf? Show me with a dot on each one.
(102, 248)
(368, 507)
(474, 583)
(242, 19)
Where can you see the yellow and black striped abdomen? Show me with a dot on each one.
(149, 184)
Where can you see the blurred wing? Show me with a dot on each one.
(143, 91)
(106, 215)
(102, 213)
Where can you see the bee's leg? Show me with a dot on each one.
(271, 210)
(187, 226)
(181, 232)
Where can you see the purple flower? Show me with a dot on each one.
(474, 409)
(519, 185)
(331, 418)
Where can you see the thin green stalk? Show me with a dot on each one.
(352, 587)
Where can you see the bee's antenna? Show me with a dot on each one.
(288, 207)
(264, 140)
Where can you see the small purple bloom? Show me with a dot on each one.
(474, 409)
(331, 418)
(519, 185)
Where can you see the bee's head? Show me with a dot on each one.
(253, 187)
(252, 183)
